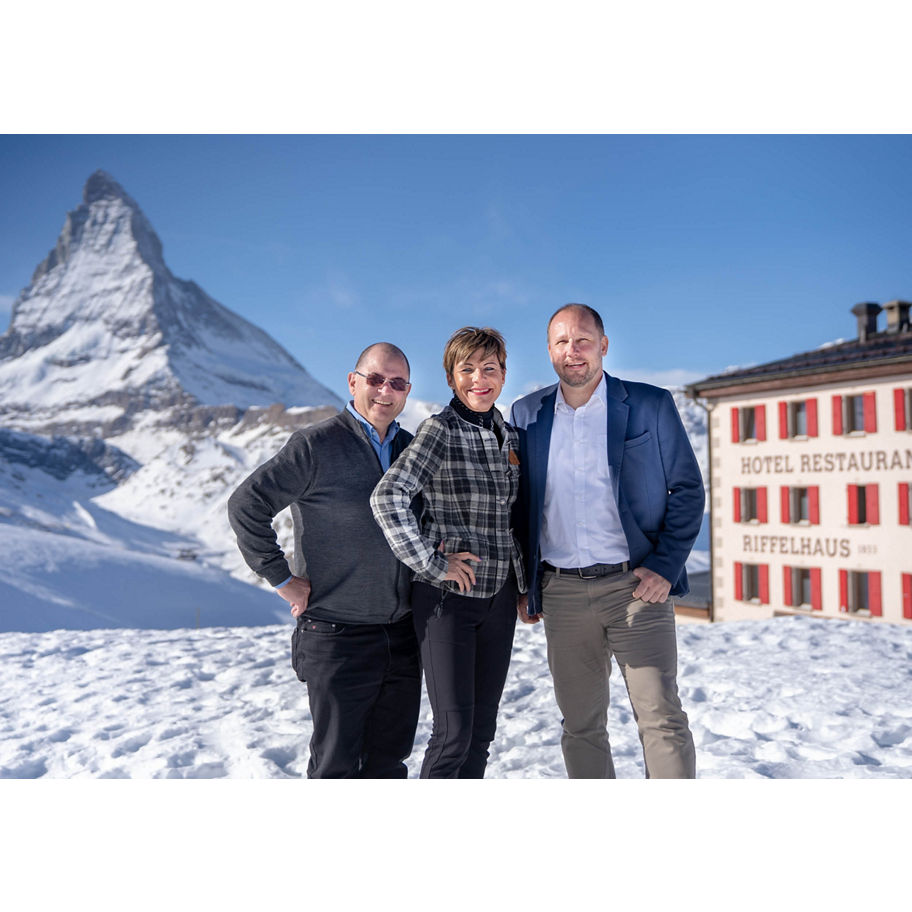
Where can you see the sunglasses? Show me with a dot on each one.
(396, 383)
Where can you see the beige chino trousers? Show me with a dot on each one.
(586, 623)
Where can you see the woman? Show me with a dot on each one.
(468, 572)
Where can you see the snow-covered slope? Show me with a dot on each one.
(52, 582)
(69, 562)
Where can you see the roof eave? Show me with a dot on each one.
(831, 373)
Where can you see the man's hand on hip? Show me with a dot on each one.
(652, 586)
(297, 593)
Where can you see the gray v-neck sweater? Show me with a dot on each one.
(325, 473)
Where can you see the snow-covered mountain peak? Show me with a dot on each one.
(109, 222)
(105, 326)
(101, 185)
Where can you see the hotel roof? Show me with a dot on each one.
(879, 353)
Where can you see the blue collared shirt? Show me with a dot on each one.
(381, 449)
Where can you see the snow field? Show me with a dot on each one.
(789, 698)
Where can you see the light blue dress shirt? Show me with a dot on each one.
(381, 449)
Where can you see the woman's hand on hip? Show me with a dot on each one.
(460, 570)
(522, 605)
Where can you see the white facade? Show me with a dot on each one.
(811, 481)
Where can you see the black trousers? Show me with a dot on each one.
(465, 650)
(364, 689)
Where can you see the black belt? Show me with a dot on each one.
(591, 572)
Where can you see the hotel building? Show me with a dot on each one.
(811, 478)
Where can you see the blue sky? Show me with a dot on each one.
(700, 252)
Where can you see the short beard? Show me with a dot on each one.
(578, 381)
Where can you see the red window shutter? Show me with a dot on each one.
(843, 590)
(764, 581)
(837, 415)
(874, 600)
(762, 511)
(903, 504)
(783, 420)
(872, 504)
(811, 410)
(739, 582)
(870, 412)
(907, 595)
(899, 408)
(814, 505)
(853, 504)
(816, 594)
(736, 426)
(760, 417)
(736, 504)
(784, 498)
(787, 585)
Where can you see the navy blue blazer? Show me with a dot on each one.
(657, 482)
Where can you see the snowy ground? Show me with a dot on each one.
(782, 698)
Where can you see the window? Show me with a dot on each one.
(864, 505)
(748, 423)
(801, 587)
(749, 505)
(855, 414)
(800, 505)
(905, 503)
(798, 419)
(859, 592)
(752, 582)
(902, 408)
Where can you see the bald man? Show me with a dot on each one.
(354, 643)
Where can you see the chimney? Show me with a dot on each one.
(897, 316)
(867, 319)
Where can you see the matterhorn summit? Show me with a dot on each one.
(104, 331)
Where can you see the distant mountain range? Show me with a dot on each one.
(131, 405)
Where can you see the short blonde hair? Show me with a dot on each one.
(468, 340)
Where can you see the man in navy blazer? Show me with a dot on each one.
(611, 501)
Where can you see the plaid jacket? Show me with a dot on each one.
(468, 485)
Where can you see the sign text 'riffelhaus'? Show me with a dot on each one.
(862, 461)
(808, 545)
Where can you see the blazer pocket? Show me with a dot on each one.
(638, 441)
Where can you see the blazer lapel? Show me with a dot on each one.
(539, 436)
(618, 410)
